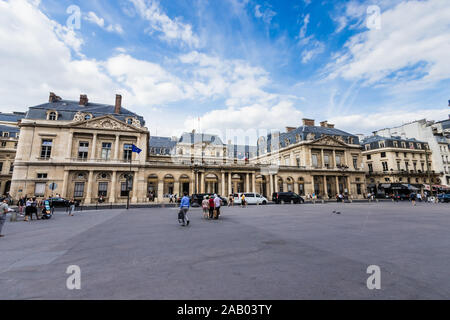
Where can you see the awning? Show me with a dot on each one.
(385, 185)
(399, 186)
(411, 187)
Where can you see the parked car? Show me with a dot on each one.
(251, 198)
(61, 202)
(444, 197)
(287, 197)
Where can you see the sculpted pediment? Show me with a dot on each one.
(329, 141)
(106, 123)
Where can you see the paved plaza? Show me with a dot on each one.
(265, 252)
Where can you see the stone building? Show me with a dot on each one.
(311, 159)
(84, 151)
(83, 148)
(437, 135)
(9, 136)
(398, 166)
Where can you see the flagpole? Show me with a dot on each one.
(128, 184)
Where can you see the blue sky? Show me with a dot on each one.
(234, 64)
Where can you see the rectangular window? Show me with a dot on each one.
(398, 166)
(314, 161)
(1, 166)
(42, 175)
(423, 166)
(123, 189)
(83, 150)
(383, 154)
(385, 166)
(326, 160)
(102, 189)
(46, 149)
(127, 151)
(106, 150)
(11, 168)
(338, 160)
(370, 167)
(39, 189)
(369, 157)
(79, 190)
(406, 165)
(298, 162)
(355, 163)
(358, 188)
(3, 144)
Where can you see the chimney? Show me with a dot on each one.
(53, 98)
(309, 122)
(331, 126)
(290, 129)
(118, 105)
(324, 124)
(83, 100)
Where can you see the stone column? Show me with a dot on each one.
(202, 182)
(88, 198)
(176, 188)
(142, 190)
(223, 184)
(296, 190)
(254, 182)
(94, 147)
(348, 186)
(325, 189)
(229, 182)
(160, 191)
(247, 183)
(69, 145)
(116, 148)
(112, 195)
(65, 184)
(275, 177)
(271, 185)
(285, 186)
(323, 158)
(337, 184)
(134, 198)
(334, 159)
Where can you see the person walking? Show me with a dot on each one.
(4, 208)
(231, 200)
(34, 209)
(21, 204)
(184, 208)
(27, 209)
(205, 207)
(217, 204)
(211, 207)
(413, 198)
(243, 202)
(71, 207)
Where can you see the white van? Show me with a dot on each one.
(251, 198)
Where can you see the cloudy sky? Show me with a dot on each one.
(232, 64)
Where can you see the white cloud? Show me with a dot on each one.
(411, 47)
(171, 29)
(266, 15)
(369, 122)
(93, 18)
(304, 27)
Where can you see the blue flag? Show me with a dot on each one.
(136, 149)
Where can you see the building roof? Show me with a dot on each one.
(161, 142)
(377, 138)
(12, 117)
(193, 138)
(67, 109)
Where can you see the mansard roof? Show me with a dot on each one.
(67, 109)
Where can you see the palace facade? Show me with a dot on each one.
(83, 150)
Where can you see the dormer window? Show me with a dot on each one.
(52, 116)
(87, 117)
(130, 121)
(6, 134)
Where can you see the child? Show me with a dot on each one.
(205, 206)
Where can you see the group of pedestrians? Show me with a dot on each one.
(30, 206)
(211, 207)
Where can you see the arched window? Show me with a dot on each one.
(87, 117)
(130, 121)
(52, 116)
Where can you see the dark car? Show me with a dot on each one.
(61, 203)
(287, 197)
(444, 197)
